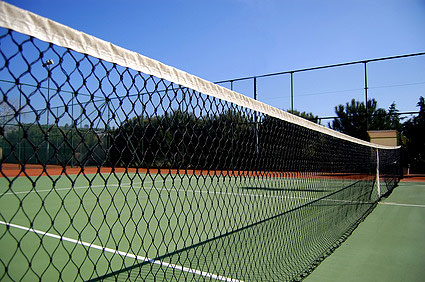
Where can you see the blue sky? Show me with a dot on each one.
(224, 39)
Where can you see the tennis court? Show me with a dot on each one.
(148, 216)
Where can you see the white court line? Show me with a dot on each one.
(124, 254)
(75, 188)
(285, 197)
(60, 189)
(127, 185)
(403, 205)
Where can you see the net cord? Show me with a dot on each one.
(31, 24)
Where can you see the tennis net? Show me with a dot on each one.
(116, 166)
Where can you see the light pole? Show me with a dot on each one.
(47, 65)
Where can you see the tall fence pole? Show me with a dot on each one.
(73, 124)
(20, 124)
(365, 93)
(47, 118)
(47, 65)
(255, 88)
(255, 117)
(292, 92)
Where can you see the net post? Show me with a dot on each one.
(378, 184)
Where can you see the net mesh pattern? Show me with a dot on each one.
(107, 173)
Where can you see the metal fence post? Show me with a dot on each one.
(292, 92)
(365, 93)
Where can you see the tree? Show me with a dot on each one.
(177, 139)
(414, 139)
(355, 119)
(394, 120)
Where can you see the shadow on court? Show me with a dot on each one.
(297, 189)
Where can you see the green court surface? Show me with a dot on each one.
(113, 222)
(388, 246)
